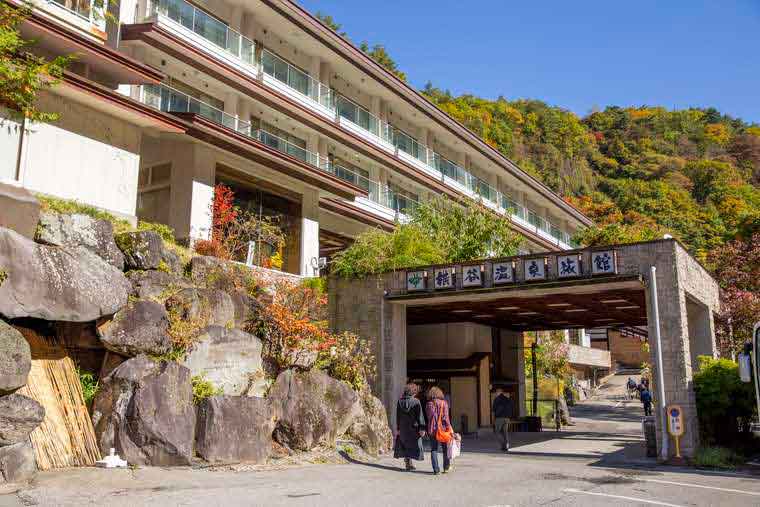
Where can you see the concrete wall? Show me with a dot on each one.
(624, 350)
(86, 155)
(447, 341)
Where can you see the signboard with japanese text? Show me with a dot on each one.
(675, 420)
(443, 278)
(535, 269)
(472, 276)
(603, 263)
(415, 280)
(568, 266)
(503, 272)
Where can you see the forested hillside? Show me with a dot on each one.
(639, 173)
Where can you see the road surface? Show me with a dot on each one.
(598, 462)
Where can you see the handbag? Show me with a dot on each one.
(441, 435)
(454, 448)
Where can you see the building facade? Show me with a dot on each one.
(168, 98)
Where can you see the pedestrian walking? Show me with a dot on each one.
(410, 428)
(631, 388)
(646, 400)
(503, 411)
(439, 429)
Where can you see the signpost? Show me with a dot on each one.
(675, 425)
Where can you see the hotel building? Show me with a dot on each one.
(261, 96)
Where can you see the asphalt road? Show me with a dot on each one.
(599, 461)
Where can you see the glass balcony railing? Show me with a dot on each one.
(287, 147)
(353, 112)
(207, 27)
(296, 79)
(170, 100)
(409, 145)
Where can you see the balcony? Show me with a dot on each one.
(296, 84)
(85, 14)
(364, 124)
(206, 33)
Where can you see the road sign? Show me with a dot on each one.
(675, 420)
(675, 425)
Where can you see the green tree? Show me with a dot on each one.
(23, 74)
(378, 53)
(438, 231)
(330, 23)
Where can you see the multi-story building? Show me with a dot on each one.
(260, 96)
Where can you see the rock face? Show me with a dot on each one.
(80, 230)
(312, 409)
(371, 428)
(21, 210)
(142, 249)
(145, 411)
(153, 284)
(55, 283)
(206, 306)
(17, 463)
(19, 415)
(15, 359)
(230, 359)
(234, 429)
(139, 328)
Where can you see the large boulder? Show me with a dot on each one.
(19, 415)
(80, 230)
(312, 408)
(144, 410)
(234, 429)
(21, 210)
(17, 463)
(206, 307)
(15, 359)
(230, 359)
(142, 249)
(156, 285)
(371, 428)
(57, 283)
(138, 328)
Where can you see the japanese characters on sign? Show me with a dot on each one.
(443, 278)
(503, 273)
(603, 263)
(472, 276)
(568, 266)
(535, 269)
(415, 280)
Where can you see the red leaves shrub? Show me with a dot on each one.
(210, 247)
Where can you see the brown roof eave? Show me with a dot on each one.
(239, 144)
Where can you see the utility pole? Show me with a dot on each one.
(535, 377)
(660, 373)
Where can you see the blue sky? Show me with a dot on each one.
(577, 55)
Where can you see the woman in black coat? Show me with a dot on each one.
(410, 428)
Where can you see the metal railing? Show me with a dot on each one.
(353, 112)
(210, 28)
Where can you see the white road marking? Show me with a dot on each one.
(727, 490)
(632, 499)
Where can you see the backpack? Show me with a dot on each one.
(441, 435)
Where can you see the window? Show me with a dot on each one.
(350, 173)
(154, 193)
(11, 137)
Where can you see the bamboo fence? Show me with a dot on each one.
(66, 437)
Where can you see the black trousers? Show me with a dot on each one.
(647, 409)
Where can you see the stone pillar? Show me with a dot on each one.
(309, 232)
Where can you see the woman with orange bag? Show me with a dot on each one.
(439, 428)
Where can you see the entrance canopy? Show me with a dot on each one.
(610, 302)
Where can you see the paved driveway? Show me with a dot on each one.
(599, 461)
